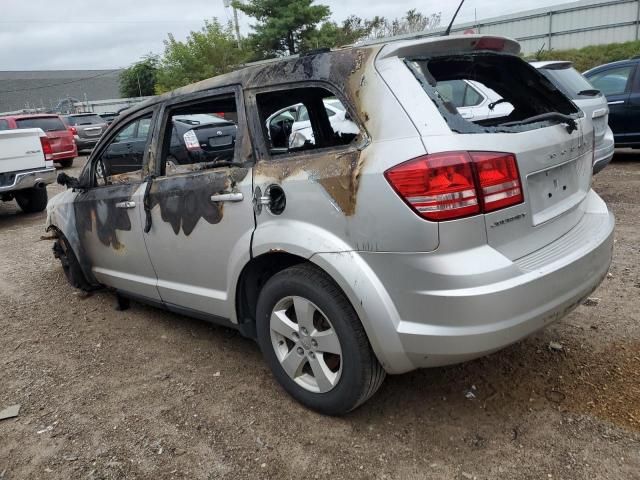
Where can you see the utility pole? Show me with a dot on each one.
(139, 87)
(227, 4)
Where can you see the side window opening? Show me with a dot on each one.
(527, 92)
(612, 81)
(200, 136)
(302, 119)
(121, 161)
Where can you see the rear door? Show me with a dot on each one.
(615, 83)
(108, 216)
(199, 207)
(633, 111)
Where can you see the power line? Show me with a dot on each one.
(110, 72)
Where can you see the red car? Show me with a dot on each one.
(61, 138)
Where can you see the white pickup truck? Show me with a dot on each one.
(26, 168)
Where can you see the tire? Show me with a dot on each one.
(66, 163)
(32, 200)
(70, 265)
(352, 377)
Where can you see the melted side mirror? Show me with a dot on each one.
(69, 181)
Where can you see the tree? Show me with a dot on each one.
(139, 80)
(283, 26)
(354, 29)
(206, 53)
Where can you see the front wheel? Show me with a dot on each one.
(314, 343)
(32, 200)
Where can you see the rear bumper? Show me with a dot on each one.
(29, 179)
(604, 152)
(430, 309)
(82, 143)
(65, 155)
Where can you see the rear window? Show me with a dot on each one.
(574, 85)
(48, 124)
(85, 120)
(534, 100)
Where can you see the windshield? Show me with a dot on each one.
(568, 79)
(47, 124)
(85, 120)
(522, 92)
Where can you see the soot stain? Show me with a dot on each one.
(185, 199)
(98, 206)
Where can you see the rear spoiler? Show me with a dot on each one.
(454, 44)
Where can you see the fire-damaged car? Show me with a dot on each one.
(419, 239)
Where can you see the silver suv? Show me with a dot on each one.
(417, 239)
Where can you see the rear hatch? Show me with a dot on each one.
(88, 126)
(59, 137)
(590, 100)
(213, 137)
(545, 132)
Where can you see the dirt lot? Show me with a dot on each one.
(148, 394)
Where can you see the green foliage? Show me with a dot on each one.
(139, 80)
(588, 57)
(209, 52)
(282, 25)
(354, 28)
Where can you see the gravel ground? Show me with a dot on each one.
(148, 394)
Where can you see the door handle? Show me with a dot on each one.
(126, 205)
(228, 197)
(617, 102)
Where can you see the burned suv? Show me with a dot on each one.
(414, 238)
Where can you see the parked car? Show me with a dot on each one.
(290, 127)
(473, 100)
(26, 168)
(108, 117)
(61, 140)
(424, 240)
(591, 102)
(202, 138)
(87, 128)
(620, 83)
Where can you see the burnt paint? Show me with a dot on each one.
(98, 206)
(337, 172)
(185, 199)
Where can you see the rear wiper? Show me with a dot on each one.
(590, 92)
(570, 122)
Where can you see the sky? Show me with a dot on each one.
(90, 34)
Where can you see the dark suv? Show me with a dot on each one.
(620, 83)
(87, 128)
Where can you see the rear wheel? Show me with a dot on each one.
(314, 343)
(32, 200)
(66, 163)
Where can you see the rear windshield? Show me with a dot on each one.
(524, 99)
(85, 120)
(48, 124)
(574, 85)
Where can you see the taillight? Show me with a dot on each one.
(489, 43)
(446, 186)
(499, 180)
(46, 148)
(73, 130)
